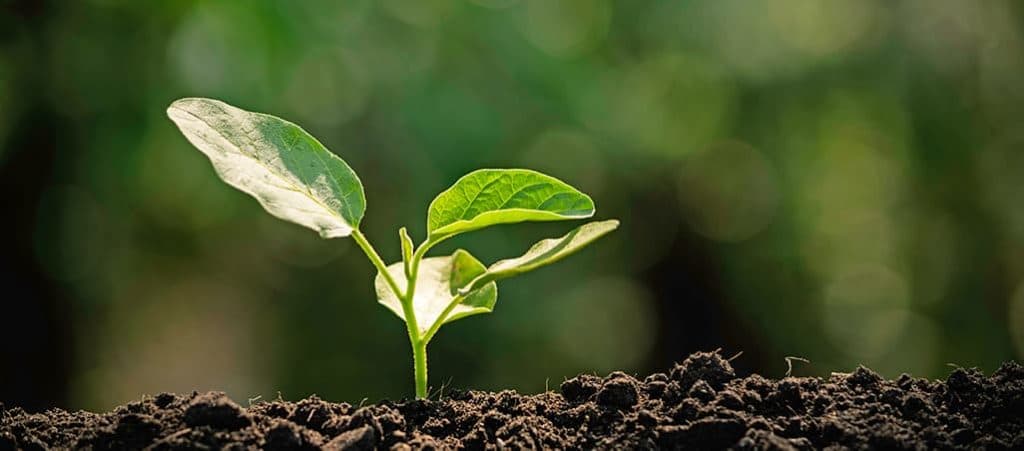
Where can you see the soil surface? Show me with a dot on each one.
(699, 404)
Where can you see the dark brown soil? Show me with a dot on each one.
(699, 404)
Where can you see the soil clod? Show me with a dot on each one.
(216, 410)
(618, 392)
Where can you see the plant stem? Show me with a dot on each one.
(415, 265)
(419, 342)
(371, 253)
(419, 354)
(440, 319)
(419, 347)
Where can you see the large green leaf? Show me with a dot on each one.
(500, 196)
(437, 285)
(545, 252)
(288, 171)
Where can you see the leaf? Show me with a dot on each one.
(501, 196)
(437, 284)
(289, 172)
(545, 252)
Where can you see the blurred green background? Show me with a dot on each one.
(839, 181)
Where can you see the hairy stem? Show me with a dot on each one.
(417, 340)
(419, 343)
(410, 288)
(419, 354)
(415, 266)
(419, 347)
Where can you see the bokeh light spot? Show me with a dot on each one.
(936, 260)
(212, 51)
(850, 186)
(562, 151)
(999, 168)
(667, 106)
(422, 14)
(566, 27)
(864, 311)
(328, 88)
(200, 52)
(944, 32)
(496, 4)
(604, 324)
(915, 349)
(822, 29)
(728, 192)
(767, 40)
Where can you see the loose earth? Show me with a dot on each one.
(700, 404)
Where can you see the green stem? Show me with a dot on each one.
(415, 270)
(371, 253)
(418, 341)
(419, 347)
(440, 319)
(419, 355)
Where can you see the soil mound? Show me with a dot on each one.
(699, 404)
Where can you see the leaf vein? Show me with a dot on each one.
(477, 196)
(264, 166)
(516, 192)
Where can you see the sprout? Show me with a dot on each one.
(297, 179)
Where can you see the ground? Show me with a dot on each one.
(699, 404)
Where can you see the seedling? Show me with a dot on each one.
(297, 179)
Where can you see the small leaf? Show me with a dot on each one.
(437, 285)
(545, 252)
(403, 236)
(500, 196)
(289, 172)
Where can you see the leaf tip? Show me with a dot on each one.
(181, 103)
(186, 105)
(461, 253)
(174, 111)
(179, 110)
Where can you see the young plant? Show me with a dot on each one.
(297, 179)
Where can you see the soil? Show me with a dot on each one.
(700, 404)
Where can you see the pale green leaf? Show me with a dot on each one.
(545, 252)
(500, 196)
(437, 285)
(289, 172)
